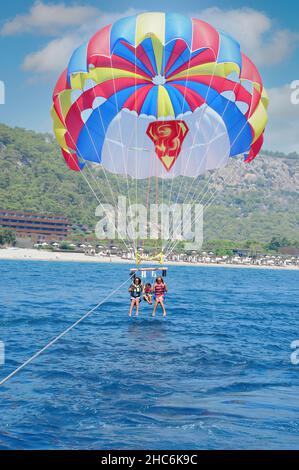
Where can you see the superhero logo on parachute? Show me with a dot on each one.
(159, 95)
(168, 137)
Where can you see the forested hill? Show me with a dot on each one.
(256, 201)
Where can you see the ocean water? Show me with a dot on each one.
(215, 374)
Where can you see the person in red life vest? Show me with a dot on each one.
(147, 293)
(135, 290)
(159, 289)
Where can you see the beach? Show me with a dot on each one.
(45, 255)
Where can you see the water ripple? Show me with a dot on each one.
(214, 374)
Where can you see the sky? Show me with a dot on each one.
(37, 39)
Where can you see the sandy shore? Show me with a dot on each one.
(43, 255)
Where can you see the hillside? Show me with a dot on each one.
(256, 201)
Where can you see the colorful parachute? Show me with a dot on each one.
(159, 95)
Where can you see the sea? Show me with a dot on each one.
(218, 372)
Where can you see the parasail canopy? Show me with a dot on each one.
(159, 94)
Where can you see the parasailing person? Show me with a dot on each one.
(159, 289)
(136, 290)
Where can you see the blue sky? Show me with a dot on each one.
(36, 39)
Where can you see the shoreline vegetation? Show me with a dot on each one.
(28, 254)
(258, 202)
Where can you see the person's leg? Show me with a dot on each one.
(131, 307)
(137, 307)
(163, 307)
(155, 308)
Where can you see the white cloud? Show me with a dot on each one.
(282, 129)
(54, 57)
(259, 36)
(48, 19)
(264, 43)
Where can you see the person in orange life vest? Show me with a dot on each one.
(147, 293)
(159, 289)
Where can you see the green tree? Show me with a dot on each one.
(277, 243)
(7, 237)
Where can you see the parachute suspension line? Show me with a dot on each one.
(213, 197)
(158, 253)
(194, 134)
(205, 189)
(162, 182)
(215, 194)
(61, 335)
(157, 256)
(136, 140)
(82, 173)
(123, 153)
(199, 201)
(205, 208)
(210, 141)
(134, 149)
(107, 180)
(147, 205)
(164, 247)
(162, 202)
(206, 186)
(130, 144)
(205, 154)
(229, 177)
(99, 159)
(190, 151)
(236, 138)
(105, 174)
(182, 112)
(109, 149)
(91, 188)
(100, 203)
(159, 231)
(107, 140)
